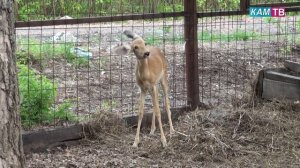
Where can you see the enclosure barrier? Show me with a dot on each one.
(193, 57)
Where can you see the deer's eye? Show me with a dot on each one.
(136, 47)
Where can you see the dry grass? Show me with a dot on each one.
(265, 136)
(105, 124)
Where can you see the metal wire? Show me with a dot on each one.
(231, 49)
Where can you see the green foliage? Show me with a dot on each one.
(242, 35)
(46, 9)
(292, 14)
(39, 50)
(108, 104)
(151, 40)
(207, 36)
(286, 50)
(213, 5)
(298, 25)
(39, 10)
(163, 35)
(36, 9)
(167, 29)
(64, 113)
(37, 96)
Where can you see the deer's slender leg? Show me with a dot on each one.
(153, 127)
(154, 94)
(165, 87)
(140, 114)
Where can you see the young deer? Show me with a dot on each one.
(151, 68)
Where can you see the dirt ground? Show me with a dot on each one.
(264, 136)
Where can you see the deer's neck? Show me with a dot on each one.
(143, 68)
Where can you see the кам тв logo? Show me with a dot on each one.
(266, 12)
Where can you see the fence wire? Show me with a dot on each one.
(68, 72)
(232, 49)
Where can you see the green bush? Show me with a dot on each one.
(38, 95)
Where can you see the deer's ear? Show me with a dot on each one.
(122, 49)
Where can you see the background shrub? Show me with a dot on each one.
(38, 95)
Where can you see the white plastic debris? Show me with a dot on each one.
(81, 52)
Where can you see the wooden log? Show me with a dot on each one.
(293, 66)
(280, 90)
(281, 74)
(39, 141)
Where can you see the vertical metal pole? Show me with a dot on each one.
(191, 50)
(244, 5)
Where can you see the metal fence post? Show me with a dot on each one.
(191, 51)
(244, 5)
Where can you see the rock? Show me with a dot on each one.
(65, 17)
(64, 37)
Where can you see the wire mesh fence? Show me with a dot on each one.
(68, 71)
(232, 49)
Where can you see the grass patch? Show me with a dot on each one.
(35, 51)
(269, 20)
(63, 112)
(107, 105)
(154, 40)
(238, 35)
(298, 25)
(205, 36)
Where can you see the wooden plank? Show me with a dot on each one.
(293, 66)
(281, 74)
(219, 13)
(100, 19)
(292, 9)
(280, 90)
(39, 140)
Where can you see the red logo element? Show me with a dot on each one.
(278, 12)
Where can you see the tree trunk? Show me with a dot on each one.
(11, 150)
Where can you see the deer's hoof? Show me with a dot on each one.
(164, 143)
(135, 145)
